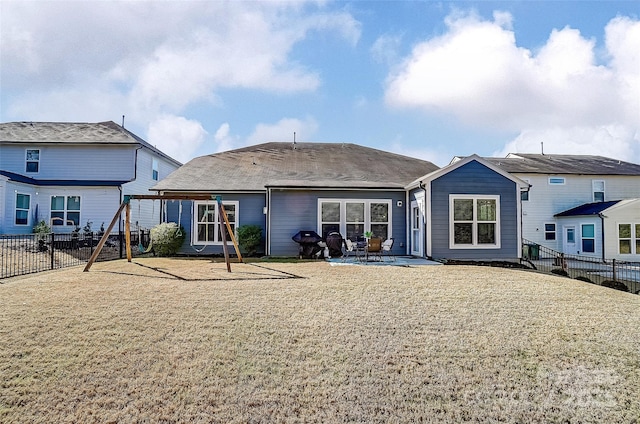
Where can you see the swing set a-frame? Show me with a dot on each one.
(126, 206)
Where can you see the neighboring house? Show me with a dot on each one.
(467, 210)
(285, 188)
(562, 189)
(68, 174)
(607, 230)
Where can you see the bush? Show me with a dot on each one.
(615, 285)
(249, 238)
(41, 228)
(167, 238)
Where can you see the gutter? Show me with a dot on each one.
(602, 217)
(424, 242)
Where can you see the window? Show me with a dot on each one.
(23, 202)
(598, 190)
(524, 195)
(208, 221)
(154, 169)
(588, 238)
(556, 180)
(353, 217)
(474, 221)
(65, 210)
(550, 231)
(33, 160)
(629, 239)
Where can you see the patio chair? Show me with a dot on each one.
(349, 249)
(387, 245)
(374, 248)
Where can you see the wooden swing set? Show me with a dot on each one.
(126, 206)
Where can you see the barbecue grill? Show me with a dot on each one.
(308, 241)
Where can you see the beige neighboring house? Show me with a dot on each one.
(568, 193)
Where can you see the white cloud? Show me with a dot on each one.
(94, 61)
(477, 73)
(176, 136)
(283, 131)
(386, 48)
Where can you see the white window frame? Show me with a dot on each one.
(474, 222)
(525, 193)
(65, 211)
(557, 181)
(555, 231)
(634, 238)
(216, 223)
(583, 238)
(367, 214)
(155, 174)
(594, 191)
(28, 210)
(28, 160)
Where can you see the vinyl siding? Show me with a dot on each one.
(146, 213)
(250, 212)
(627, 213)
(63, 162)
(546, 200)
(295, 210)
(474, 178)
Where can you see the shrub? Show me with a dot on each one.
(167, 238)
(615, 285)
(249, 238)
(41, 228)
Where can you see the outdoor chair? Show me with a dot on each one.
(374, 248)
(349, 249)
(387, 245)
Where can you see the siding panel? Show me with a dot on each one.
(474, 178)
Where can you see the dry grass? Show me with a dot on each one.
(127, 343)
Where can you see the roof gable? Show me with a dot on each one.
(462, 162)
(296, 165)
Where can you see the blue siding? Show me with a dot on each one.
(295, 210)
(474, 178)
(250, 212)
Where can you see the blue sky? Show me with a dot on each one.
(422, 78)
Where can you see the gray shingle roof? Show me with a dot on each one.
(312, 165)
(72, 133)
(529, 163)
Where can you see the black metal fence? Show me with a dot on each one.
(29, 253)
(621, 275)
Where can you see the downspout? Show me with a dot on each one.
(268, 223)
(424, 231)
(602, 217)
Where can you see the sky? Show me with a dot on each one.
(426, 79)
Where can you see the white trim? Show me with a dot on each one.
(65, 211)
(557, 182)
(15, 209)
(555, 231)
(216, 223)
(155, 169)
(474, 222)
(26, 160)
(427, 216)
(594, 238)
(633, 240)
(343, 214)
(593, 190)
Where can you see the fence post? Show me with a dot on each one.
(120, 243)
(614, 270)
(53, 240)
(91, 243)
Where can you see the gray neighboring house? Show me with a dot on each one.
(69, 173)
(285, 188)
(288, 187)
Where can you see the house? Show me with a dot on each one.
(467, 210)
(607, 230)
(560, 209)
(324, 187)
(68, 174)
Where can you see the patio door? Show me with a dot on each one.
(417, 230)
(569, 240)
